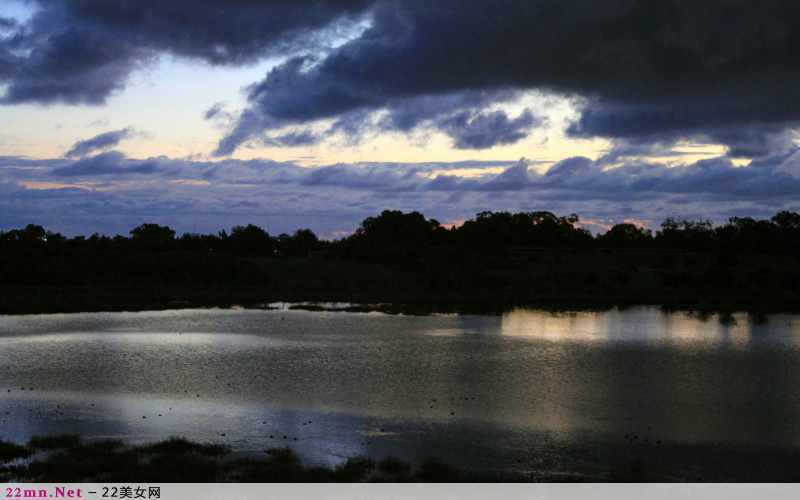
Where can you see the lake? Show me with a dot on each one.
(534, 393)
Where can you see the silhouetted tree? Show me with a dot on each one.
(744, 234)
(786, 220)
(300, 243)
(249, 240)
(788, 224)
(394, 237)
(395, 226)
(494, 232)
(626, 235)
(203, 243)
(686, 234)
(31, 233)
(489, 232)
(153, 237)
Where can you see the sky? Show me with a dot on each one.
(207, 114)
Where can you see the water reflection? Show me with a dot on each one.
(650, 325)
(534, 388)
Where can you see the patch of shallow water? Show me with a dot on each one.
(526, 392)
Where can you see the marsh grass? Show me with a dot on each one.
(178, 445)
(54, 442)
(70, 459)
(12, 451)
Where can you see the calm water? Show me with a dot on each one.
(532, 393)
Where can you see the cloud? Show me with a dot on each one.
(513, 178)
(279, 101)
(755, 142)
(101, 141)
(577, 178)
(27, 162)
(7, 23)
(679, 69)
(81, 51)
(58, 59)
(215, 31)
(214, 111)
(744, 124)
(645, 71)
(372, 177)
(293, 139)
(488, 130)
(405, 114)
(568, 169)
(112, 162)
(111, 193)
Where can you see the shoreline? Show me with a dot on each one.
(57, 300)
(575, 282)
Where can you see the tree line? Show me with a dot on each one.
(396, 234)
(447, 257)
(494, 233)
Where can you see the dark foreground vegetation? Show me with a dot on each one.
(68, 459)
(403, 262)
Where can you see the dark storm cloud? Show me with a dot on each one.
(275, 103)
(755, 142)
(745, 128)
(406, 113)
(460, 115)
(101, 141)
(55, 58)
(81, 51)
(647, 68)
(216, 31)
